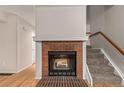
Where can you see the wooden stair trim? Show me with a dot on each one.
(88, 33)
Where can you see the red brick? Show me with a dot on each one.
(62, 46)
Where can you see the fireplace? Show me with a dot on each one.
(62, 63)
(62, 58)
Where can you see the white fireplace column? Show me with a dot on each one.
(71, 27)
(38, 66)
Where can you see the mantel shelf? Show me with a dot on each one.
(37, 39)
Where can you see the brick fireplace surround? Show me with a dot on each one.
(62, 46)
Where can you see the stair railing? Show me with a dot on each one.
(89, 77)
(109, 40)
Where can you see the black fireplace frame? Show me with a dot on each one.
(53, 72)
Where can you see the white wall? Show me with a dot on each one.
(24, 44)
(109, 20)
(96, 20)
(114, 24)
(8, 47)
(15, 44)
(114, 29)
(54, 22)
(25, 11)
(3, 17)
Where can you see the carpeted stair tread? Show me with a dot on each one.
(111, 78)
(101, 69)
(95, 55)
(99, 61)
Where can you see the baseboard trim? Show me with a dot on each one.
(114, 65)
(24, 68)
(6, 73)
(88, 83)
(37, 78)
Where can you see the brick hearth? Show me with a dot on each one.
(62, 46)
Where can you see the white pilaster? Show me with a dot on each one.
(84, 60)
(38, 68)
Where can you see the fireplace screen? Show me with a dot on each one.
(62, 63)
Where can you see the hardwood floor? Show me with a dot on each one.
(24, 78)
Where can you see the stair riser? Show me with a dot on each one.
(95, 56)
(102, 80)
(89, 47)
(100, 60)
(97, 64)
(93, 51)
(102, 71)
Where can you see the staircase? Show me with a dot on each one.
(102, 73)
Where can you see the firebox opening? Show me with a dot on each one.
(62, 63)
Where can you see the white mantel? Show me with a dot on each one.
(55, 38)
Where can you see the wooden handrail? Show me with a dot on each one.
(110, 41)
(88, 32)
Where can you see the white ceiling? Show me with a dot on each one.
(25, 11)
